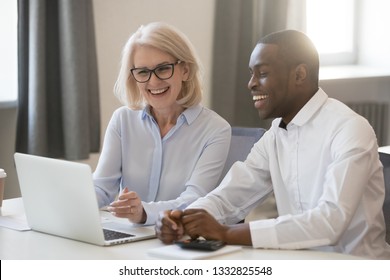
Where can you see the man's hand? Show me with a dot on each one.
(169, 227)
(198, 222)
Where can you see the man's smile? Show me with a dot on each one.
(260, 97)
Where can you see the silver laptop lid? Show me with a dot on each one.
(59, 197)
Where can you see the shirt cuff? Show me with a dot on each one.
(151, 213)
(101, 197)
(263, 233)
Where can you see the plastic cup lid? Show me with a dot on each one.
(2, 173)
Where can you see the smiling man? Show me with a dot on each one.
(319, 158)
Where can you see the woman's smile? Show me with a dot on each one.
(158, 91)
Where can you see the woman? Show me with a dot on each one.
(163, 150)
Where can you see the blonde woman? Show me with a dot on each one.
(163, 149)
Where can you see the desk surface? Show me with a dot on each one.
(28, 245)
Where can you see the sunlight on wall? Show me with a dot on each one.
(329, 25)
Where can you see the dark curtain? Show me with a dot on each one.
(58, 110)
(238, 26)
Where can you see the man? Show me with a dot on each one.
(319, 158)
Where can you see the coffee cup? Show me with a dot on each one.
(3, 175)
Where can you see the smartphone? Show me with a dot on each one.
(200, 244)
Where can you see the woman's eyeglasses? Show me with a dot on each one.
(163, 72)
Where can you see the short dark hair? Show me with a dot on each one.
(295, 48)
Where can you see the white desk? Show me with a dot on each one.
(28, 245)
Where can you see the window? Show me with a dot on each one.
(8, 51)
(331, 24)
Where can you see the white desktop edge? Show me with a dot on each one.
(28, 245)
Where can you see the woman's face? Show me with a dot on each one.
(160, 94)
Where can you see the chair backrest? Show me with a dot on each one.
(243, 139)
(385, 159)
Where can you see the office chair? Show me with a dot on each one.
(243, 139)
(385, 159)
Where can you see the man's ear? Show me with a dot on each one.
(301, 73)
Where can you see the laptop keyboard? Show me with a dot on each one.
(111, 234)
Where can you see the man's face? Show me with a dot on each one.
(270, 83)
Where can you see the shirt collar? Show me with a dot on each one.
(192, 113)
(310, 108)
(189, 115)
(282, 124)
(146, 112)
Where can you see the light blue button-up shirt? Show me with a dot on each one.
(169, 172)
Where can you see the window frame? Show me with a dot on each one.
(344, 58)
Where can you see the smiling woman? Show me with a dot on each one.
(159, 83)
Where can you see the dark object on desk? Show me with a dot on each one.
(201, 244)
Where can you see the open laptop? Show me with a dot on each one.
(59, 199)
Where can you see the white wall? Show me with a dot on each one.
(8, 50)
(117, 20)
(374, 41)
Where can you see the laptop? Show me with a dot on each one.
(59, 199)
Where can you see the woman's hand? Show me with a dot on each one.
(128, 206)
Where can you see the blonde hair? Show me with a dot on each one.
(167, 39)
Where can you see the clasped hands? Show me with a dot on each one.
(173, 225)
(128, 205)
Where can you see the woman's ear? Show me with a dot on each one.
(186, 72)
(301, 73)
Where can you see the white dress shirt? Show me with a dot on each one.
(169, 172)
(327, 179)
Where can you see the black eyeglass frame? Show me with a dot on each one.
(154, 71)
